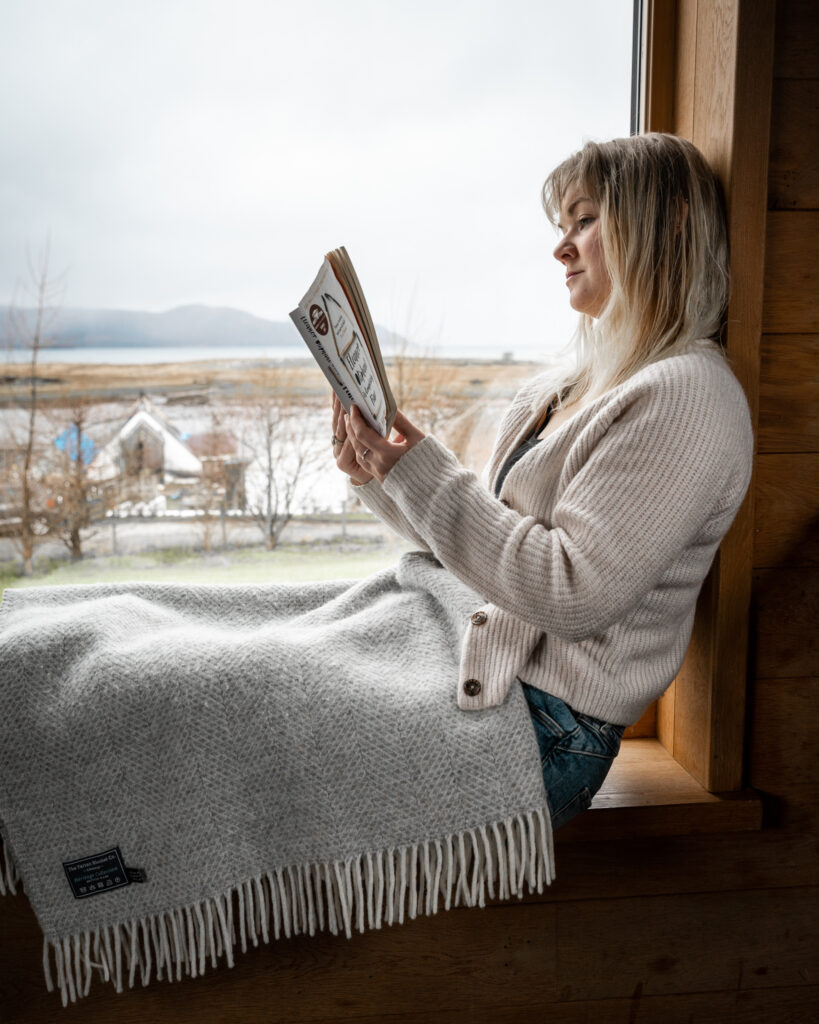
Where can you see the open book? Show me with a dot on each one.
(335, 323)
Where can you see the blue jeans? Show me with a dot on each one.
(576, 752)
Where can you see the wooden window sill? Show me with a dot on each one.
(648, 793)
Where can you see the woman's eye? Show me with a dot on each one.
(584, 222)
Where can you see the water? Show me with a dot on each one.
(140, 355)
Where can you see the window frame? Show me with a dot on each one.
(705, 73)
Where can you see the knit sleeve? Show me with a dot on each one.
(373, 496)
(665, 475)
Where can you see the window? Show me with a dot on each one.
(187, 182)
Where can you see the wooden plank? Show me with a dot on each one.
(786, 531)
(665, 718)
(786, 611)
(685, 68)
(709, 693)
(481, 959)
(791, 296)
(645, 727)
(793, 172)
(648, 793)
(657, 66)
(789, 393)
(797, 39)
(774, 1006)
(694, 943)
(784, 854)
(784, 738)
(695, 683)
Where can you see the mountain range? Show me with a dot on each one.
(196, 325)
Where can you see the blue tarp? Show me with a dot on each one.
(67, 442)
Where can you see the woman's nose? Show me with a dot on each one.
(562, 250)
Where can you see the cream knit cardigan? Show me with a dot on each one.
(591, 560)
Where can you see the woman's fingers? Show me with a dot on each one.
(338, 419)
(377, 454)
(410, 432)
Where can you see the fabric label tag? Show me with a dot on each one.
(100, 872)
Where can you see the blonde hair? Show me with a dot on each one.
(665, 243)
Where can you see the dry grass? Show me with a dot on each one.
(63, 382)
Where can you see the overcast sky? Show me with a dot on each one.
(187, 151)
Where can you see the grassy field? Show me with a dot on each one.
(288, 564)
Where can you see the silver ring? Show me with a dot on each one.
(365, 454)
(336, 440)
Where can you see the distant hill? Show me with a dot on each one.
(201, 326)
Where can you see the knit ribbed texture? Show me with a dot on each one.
(275, 759)
(590, 563)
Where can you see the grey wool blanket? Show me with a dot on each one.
(189, 769)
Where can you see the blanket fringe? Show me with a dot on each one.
(368, 891)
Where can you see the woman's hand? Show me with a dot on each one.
(374, 455)
(343, 450)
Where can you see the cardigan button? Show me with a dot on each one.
(503, 501)
(478, 618)
(472, 687)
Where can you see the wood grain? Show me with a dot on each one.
(786, 529)
(786, 612)
(791, 297)
(727, 106)
(527, 954)
(693, 943)
(658, 62)
(685, 66)
(793, 173)
(797, 39)
(784, 737)
(789, 393)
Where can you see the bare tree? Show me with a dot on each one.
(282, 438)
(221, 486)
(426, 388)
(71, 493)
(28, 328)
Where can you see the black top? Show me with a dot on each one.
(526, 445)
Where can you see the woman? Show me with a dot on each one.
(611, 487)
(256, 752)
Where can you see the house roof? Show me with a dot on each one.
(177, 456)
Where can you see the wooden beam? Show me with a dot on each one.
(722, 102)
(657, 61)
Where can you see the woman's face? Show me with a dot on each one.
(581, 252)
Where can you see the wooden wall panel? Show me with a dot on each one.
(797, 38)
(791, 297)
(789, 393)
(793, 174)
(784, 740)
(685, 69)
(787, 510)
(786, 613)
(733, 59)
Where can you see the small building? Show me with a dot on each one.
(147, 444)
